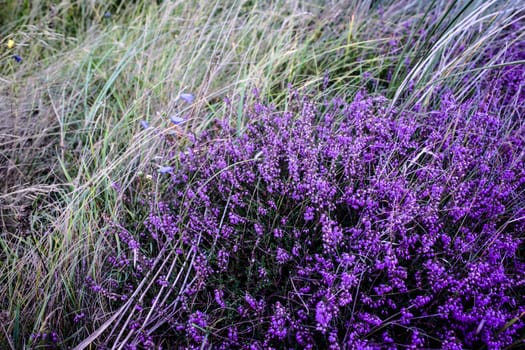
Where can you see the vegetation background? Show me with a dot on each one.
(81, 75)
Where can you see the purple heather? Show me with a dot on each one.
(356, 226)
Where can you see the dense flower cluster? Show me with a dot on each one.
(341, 225)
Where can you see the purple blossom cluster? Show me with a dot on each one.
(46, 340)
(343, 225)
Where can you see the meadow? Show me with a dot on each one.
(246, 174)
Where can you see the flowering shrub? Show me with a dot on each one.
(344, 225)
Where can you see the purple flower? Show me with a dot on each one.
(17, 58)
(144, 124)
(187, 97)
(79, 317)
(197, 324)
(219, 294)
(278, 322)
(162, 281)
(165, 169)
(282, 256)
(177, 120)
(323, 316)
(309, 214)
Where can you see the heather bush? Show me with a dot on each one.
(343, 224)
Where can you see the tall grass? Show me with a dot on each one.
(72, 146)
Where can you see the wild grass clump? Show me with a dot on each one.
(343, 224)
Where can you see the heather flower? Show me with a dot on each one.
(278, 323)
(309, 214)
(219, 294)
(281, 256)
(79, 317)
(323, 316)
(49, 338)
(161, 281)
(196, 327)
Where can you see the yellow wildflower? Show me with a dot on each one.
(10, 43)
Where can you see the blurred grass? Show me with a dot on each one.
(91, 71)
